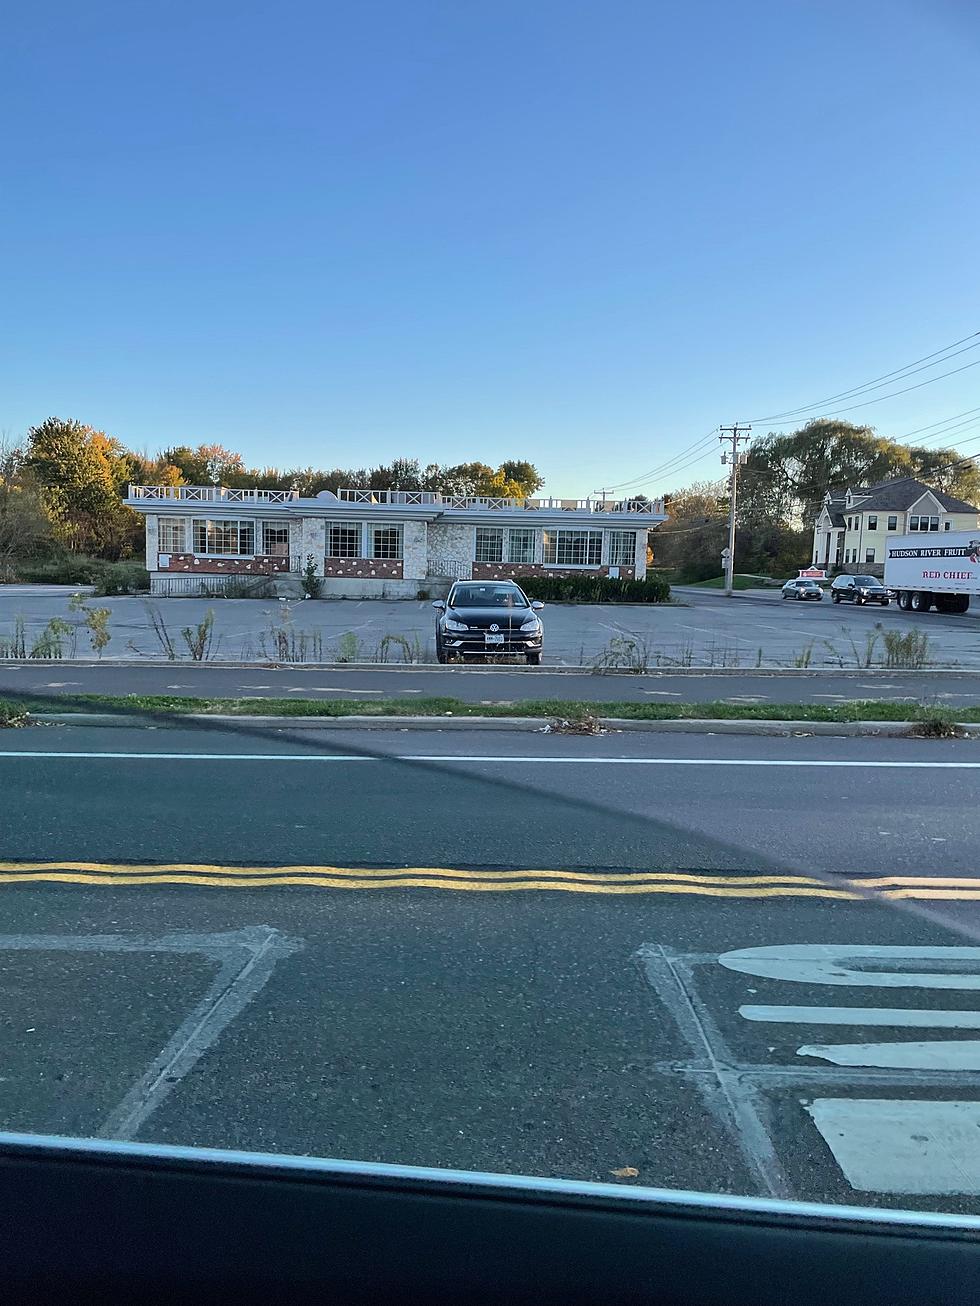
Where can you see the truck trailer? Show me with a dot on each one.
(939, 571)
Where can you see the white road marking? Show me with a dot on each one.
(948, 1054)
(541, 760)
(61, 684)
(329, 689)
(839, 963)
(913, 1017)
(889, 1146)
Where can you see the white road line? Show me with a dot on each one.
(855, 965)
(889, 1146)
(939, 1054)
(540, 760)
(913, 1017)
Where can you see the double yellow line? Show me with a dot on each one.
(709, 885)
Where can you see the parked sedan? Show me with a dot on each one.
(859, 589)
(481, 617)
(802, 589)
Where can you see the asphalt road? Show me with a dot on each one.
(511, 954)
(485, 684)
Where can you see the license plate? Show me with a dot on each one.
(495, 639)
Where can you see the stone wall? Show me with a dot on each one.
(515, 570)
(414, 550)
(261, 565)
(313, 539)
(363, 568)
(451, 544)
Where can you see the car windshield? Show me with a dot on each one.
(487, 596)
(635, 893)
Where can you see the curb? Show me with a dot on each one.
(838, 729)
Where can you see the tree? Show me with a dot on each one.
(696, 531)
(74, 469)
(25, 529)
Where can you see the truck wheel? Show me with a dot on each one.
(921, 601)
(904, 600)
(962, 603)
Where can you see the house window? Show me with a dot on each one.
(171, 535)
(386, 541)
(275, 539)
(344, 540)
(872, 522)
(622, 548)
(933, 523)
(869, 555)
(520, 545)
(489, 544)
(893, 522)
(573, 548)
(913, 524)
(224, 536)
(850, 523)
(946, 524)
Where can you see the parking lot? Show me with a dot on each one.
(700, 628)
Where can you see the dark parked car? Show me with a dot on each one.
(802, 589)
(481, 617)
(859, 589)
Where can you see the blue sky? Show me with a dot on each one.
(580, 233)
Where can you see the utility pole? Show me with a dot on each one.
(732, 435)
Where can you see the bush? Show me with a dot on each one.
(595, 589)
(79, 569)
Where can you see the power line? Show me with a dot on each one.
(906, 370)
(667, 468)
(942, 422)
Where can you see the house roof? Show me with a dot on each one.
(837, 519)
(902, 493)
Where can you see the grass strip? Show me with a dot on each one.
(546, 708)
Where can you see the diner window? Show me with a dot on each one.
(171, 535)
(224, 536)
(275, 539)
(489, 544)
(520, 545)
(622, 548)
(573, 548)
(344, 540)
(386, 541)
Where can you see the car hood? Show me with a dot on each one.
(483, 618)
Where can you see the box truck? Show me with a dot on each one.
(934, 571)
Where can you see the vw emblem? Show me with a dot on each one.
(494, 627)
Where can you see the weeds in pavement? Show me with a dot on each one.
(95, 620)
(348, 647)
(15, 645)
(410, 650)
(12, 716)
(52, 640)
(200, 641)
(284, 643)
(238, 587)
(804, 657)
(908, 652)
(936, 723)
(159, 628)
(681, 656)
(623, 653)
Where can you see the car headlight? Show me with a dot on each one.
(455, 625)
(531, 625)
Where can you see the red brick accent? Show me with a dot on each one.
(364, 568)
(515, 570)
(261, 565)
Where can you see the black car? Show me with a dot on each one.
(859, 589)
(481, 617)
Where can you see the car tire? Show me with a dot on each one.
(533, 659)
(440, 651)
(835, 598)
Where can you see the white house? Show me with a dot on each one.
(381, 543)
(852, 526)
